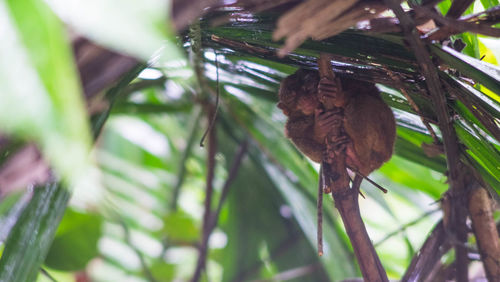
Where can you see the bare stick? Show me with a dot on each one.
(145, 269)
(429, 255)
(193, 128)
(405, 226)
(212, 149)
(319, 207)
(233, 172)
(371, 181)
(217, 94)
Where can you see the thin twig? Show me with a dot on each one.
(212, 121)
(275, 253)
(47, 274)
(378, 186)
(319, 207)
(145, 268)
(458, 26)
(448, 133)
(212, 149)
(488, 17)
(193, 129)
(210, 219)
(405, 226)
(430, 253)
(233, 172)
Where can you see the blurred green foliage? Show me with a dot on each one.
(143, 222)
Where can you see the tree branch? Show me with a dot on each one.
(485, 18)
(458, 215)
(346, 198)
(458, 26)
(144, 265)
(404, 226)
(481, 212)
(430, 253)
(458, 7)
(193, 128)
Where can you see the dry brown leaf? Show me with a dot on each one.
(320, 19)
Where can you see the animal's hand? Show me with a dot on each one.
(326, 122)
(330, 92)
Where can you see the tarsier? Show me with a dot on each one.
(341, 120)
(367, 121)
(340, 123)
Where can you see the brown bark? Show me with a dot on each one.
(346, 202)
(450, 141)
(481, 213)
(429, 255)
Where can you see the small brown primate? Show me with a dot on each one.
(368, 122)
(299, 101)
(341, 123)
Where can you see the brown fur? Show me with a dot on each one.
(368, 121)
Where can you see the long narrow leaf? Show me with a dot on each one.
(43, 102)
(29, 242)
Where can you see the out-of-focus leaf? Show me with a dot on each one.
(414, 176)
(489, 55)
(259, 224)
(444, 6)
(416, 154)
(75, 243)
(41, 99)
(163, 271)
(489, 3)
(8, 202)
(179, 226)
(141, 108)
(135, 153)
(30, 239)
(32, 235)
(301, 198)
(137, 30)
(15, 210)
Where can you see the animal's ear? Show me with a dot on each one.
(283, 108)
